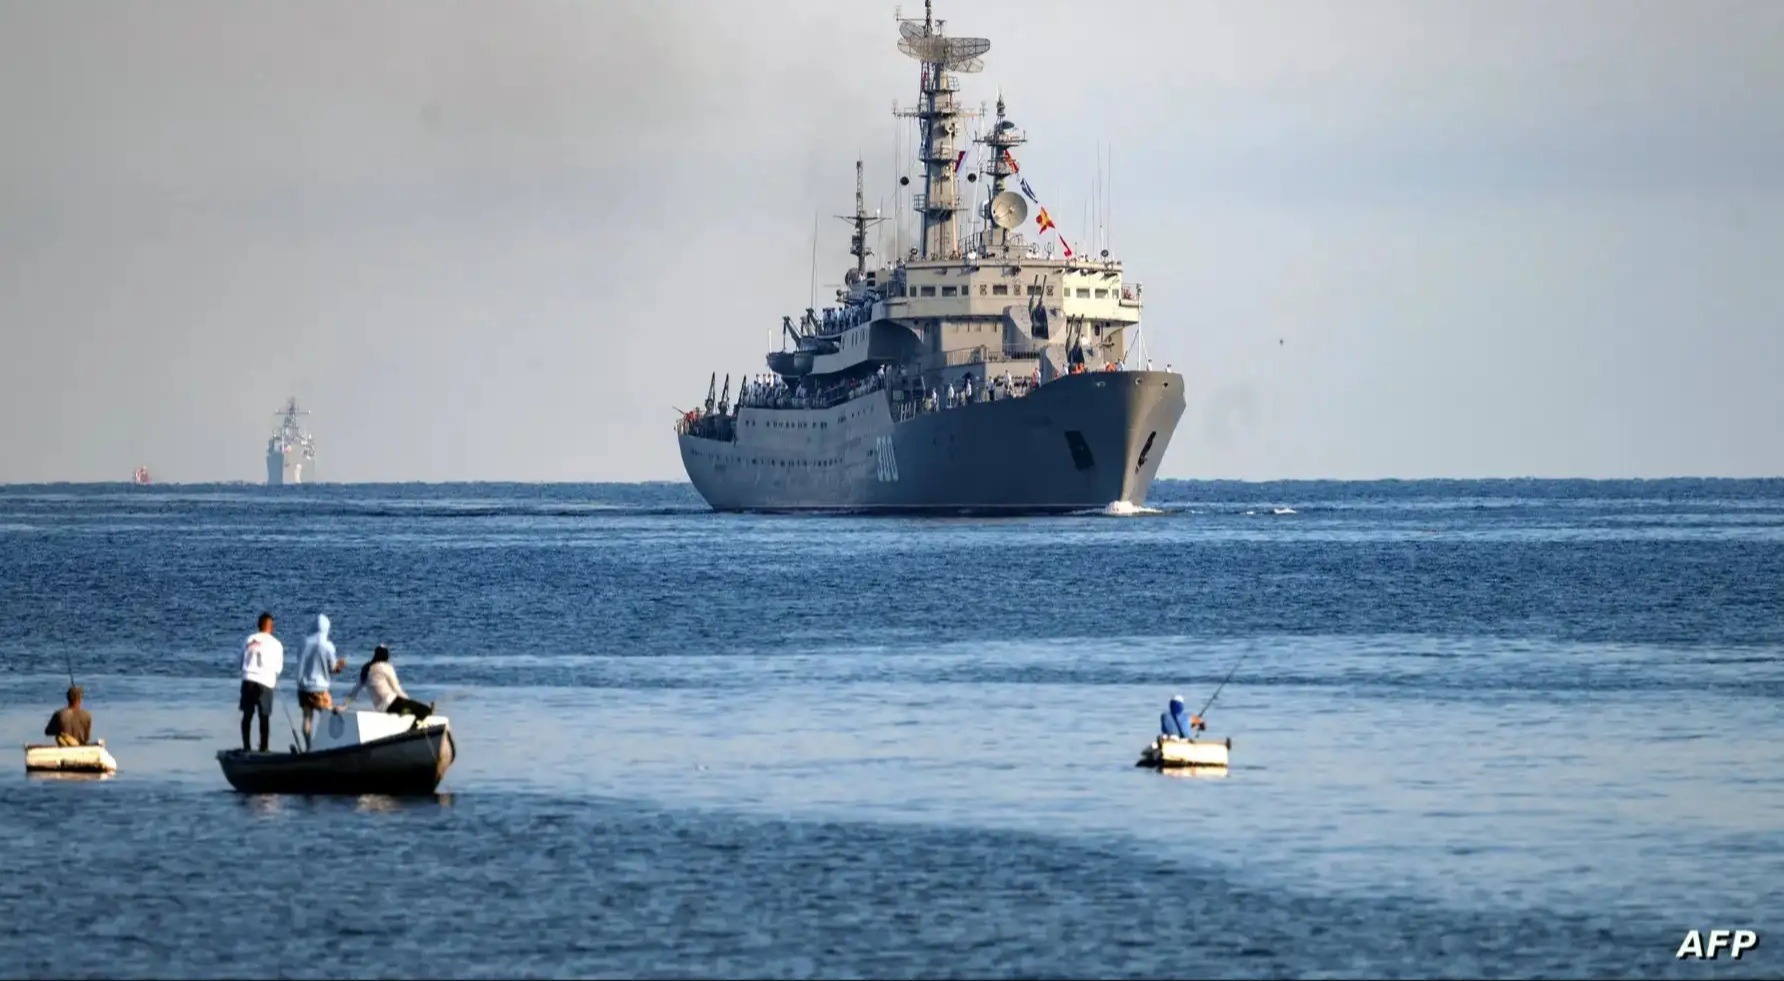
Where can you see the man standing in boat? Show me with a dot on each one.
(71, 726)
(263, 657)
(313, 668)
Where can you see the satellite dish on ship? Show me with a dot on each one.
(1008, 210)
(851, 277)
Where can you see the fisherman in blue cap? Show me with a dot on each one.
(1178, 722)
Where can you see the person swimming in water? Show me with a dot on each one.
(1176, 720)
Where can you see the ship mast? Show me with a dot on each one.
(1001, 212)
(860, 220)
(288, 416)
(938, 117)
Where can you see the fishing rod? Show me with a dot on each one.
(296, 740)
(1217, 688)
(69, 658)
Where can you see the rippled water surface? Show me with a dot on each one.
(1479, 729)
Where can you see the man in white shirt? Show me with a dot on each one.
(263, 657)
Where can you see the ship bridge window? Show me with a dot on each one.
(1034, 290)
(1083, 294)
(949, 290)
(928, 291)
(1000, 290)
(1102, 294)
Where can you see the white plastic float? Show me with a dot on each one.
(1172, 752)
(50, 758)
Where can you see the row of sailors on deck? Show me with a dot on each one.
(842, 318)
(1003, 386)
(770, 391)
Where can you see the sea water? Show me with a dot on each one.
(1479, 729)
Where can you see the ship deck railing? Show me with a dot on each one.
(996, 361)
(921, 403)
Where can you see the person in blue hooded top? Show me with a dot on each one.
(319, 661)
(1176, 721)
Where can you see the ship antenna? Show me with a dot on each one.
(1096, 200)
(1108, 198)
(814, 261)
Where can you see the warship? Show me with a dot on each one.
(291, 452)
(975, 373)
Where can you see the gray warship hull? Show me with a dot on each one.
(1080, 442)
(285, 467)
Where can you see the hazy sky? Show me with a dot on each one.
(502, 240)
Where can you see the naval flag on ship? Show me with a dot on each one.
(1041, 218)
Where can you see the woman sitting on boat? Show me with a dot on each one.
(379, 675)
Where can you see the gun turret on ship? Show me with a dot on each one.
(984, 375)
(291, 451)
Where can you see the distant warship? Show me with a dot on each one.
(291, 452)
(983, 375)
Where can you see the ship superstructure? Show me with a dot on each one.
(975, 374)
(291, 451)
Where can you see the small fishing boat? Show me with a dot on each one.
(1170, 752)
(351, 753)
(48, 757)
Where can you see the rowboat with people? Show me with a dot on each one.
(400, 747)
(351, 753)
